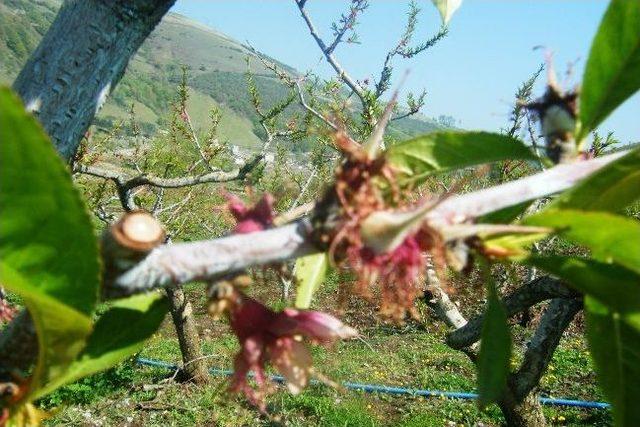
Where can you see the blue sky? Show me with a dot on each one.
(471, 75)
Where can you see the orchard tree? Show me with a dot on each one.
(370, 220)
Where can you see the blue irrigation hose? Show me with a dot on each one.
(373, 388)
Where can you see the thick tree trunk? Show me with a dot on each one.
(195, 367)
(65, 81)
(527, 413)
(80, 60)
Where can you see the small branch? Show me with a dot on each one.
(294, 84)
(303, 190)
(205, 260)
(196, 141)
(342, 74)
(312, 110)
(439, 301)
(348, 22)
(129, 182)
(541, 289)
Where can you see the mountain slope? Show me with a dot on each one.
(216, 65)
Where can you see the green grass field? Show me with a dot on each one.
(413, 356)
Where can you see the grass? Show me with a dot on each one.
(412, 356)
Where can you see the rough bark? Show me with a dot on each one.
(520, 404)
(64, 83)
(527, 413)
(194, 366)
(439, 301)
(541, 289)
(80, 60)
(543, 344)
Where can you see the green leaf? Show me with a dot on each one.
(48, 249)
(62, 330)
(46, 231)
(612, 73)
(611, 284)
(416, 159)
(118, 333)
(614, 341)
(495, 349)
(617, 185)
(310, 272)
(611, 238)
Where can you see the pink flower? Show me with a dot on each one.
(267, 336)
(397, 272)
(252, 219)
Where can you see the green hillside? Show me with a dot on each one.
(216, 62)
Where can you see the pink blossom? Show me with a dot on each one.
(267, 336)
(397, 272)
(250, 219)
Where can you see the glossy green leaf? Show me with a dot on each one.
(310, 272)
(614, 341)
(48, 249)
(611, 284)
(514, 246)
(612, 73)
(62, 330)
(416, 159)
(46, 232)
(612, 188)
(495, 350)
(611, 238)
(118, 333)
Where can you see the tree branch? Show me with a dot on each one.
(328, 54)
(530, 294)
(212, 259)
(554, 322)
(439, 301)
(184, 262)
(129, 182)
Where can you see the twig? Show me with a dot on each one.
(206, 260)
(328, 54)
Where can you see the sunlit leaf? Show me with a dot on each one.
(118, 333)
(46, 231)
(612, 73)
(62, 330)
(612, 188)
(48, 249)
(515, 246)
(309, 271)
(614, 341)
(495, 349)
(416, 159)
(611, 238)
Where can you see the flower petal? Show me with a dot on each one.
(292, 359)
(319, 326)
